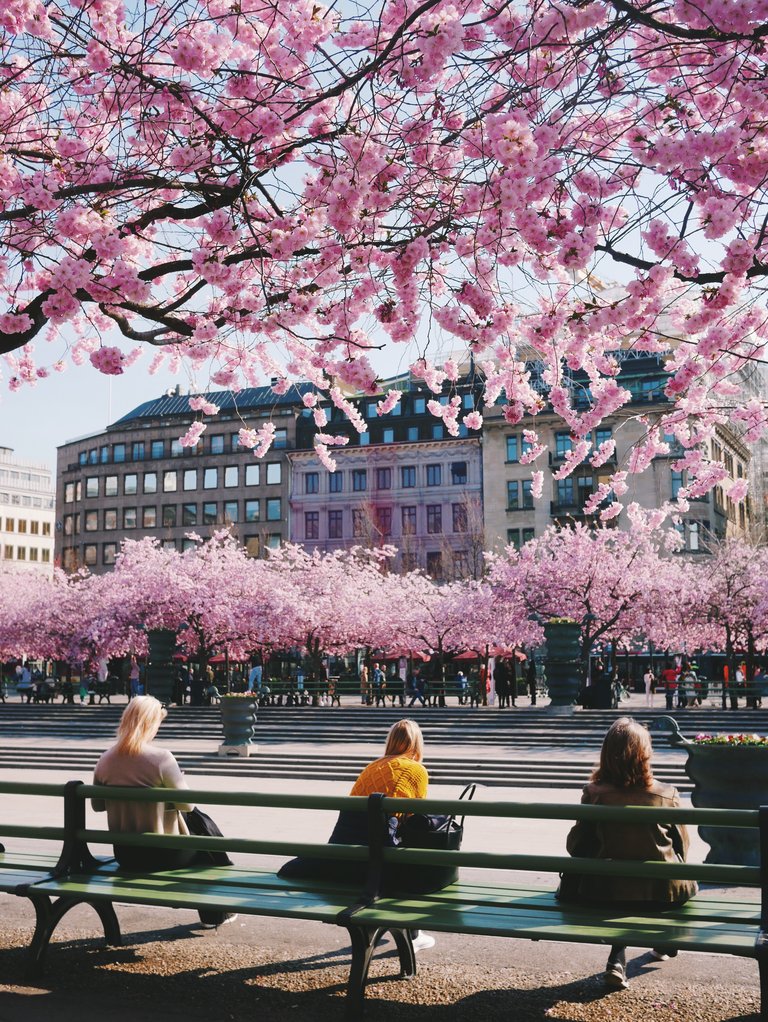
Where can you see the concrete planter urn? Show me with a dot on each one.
(563, 662)
(728, 772)
(238, 718)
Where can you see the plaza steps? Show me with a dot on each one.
(515, 771)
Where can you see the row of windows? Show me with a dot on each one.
(519, 494)
(23, 553)
(517, 537)
(35, 528)
(517, 445)
(171, 515)
(382, 478)
(141, 450)
(173, 480)
(380, 520)
(71, 558)
(25, 500)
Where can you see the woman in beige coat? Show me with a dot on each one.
(624, 777)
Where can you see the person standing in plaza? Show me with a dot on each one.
(669, 677)
(624, 777)
(378, 686)
(649, 680)
(501, 681)
(254, 678)
(365, 685)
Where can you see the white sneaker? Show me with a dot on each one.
(663, 956)
(228, 918)
(422, 941)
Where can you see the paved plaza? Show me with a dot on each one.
(170, 968)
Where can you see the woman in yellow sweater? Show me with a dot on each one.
(399, 773)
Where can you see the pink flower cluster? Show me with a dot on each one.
(109, 361)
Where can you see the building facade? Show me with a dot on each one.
(26, 514)
(136, 479)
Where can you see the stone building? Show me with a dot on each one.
(26, 514)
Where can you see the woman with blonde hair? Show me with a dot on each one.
(134, 761)
(624, 777)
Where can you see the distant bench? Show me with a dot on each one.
(494, 907)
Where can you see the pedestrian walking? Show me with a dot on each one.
(649, 681)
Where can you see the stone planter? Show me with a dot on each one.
(238, 718)
(729, 777)
(563, 663)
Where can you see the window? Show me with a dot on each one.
(336, 482)
(408, 521)
(92, 486)
(138, 450)
(188, 543)
(274, 473)
(434, 475)
(335, 525)
(273, 541)
(388, 435)
(252, 511)
(230, 476)
(170, 481)
(211, 511)
(110, 520)
(435, 564)
(150, 482)
(231, 511)
(564, 492)
(274, 510)
(364, 439)
(8, 552)
(438, 432)
(677, 483)
(82, 458)
(108, 553)
(33, 553)
(563, 444)
(359, 523)
(413, 434)
(158, 449)
(408, 477)
(22, 525)
(383, 478)
(69, 493)
(459, 473)
(149, 517)
(584, 488)
(459, 517)
(189, 514)
(602, 435)
(419, 405)
(169, 516)
(528, 535)
(34, 528)
(68, 526)
(169, 544)
(513, 495)
(234, 441)
(118, 452)
(409, 561)
(513, 538)
(45, 556)
(210, 479)
(384, 520)
(281, 439)
(434, 519)
(359, 479)
(252, 475)
(371, 410)
(104, 454)
(252, 546)
(110, 486)
(46, 528)
(91, 521)
(527, 493)
(217, 444)
(513, 450)
(190, 479)
(129, 518)
(176, 449)
(10, 524)
(311, 524)
(312, 482)
(130, 484)
(89, 554)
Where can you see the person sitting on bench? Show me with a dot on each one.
(624, 777)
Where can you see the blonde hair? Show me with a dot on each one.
(625, 758)
(139, 724)
(405, 739)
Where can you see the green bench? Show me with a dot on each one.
(501, 905)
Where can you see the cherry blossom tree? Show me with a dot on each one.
(267, 189)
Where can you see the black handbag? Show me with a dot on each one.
(436, 832)
(201, 824)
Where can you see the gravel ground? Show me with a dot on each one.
(187, 973)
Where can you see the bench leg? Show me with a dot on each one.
(405, 951)
(49, 914)
(363, 942)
